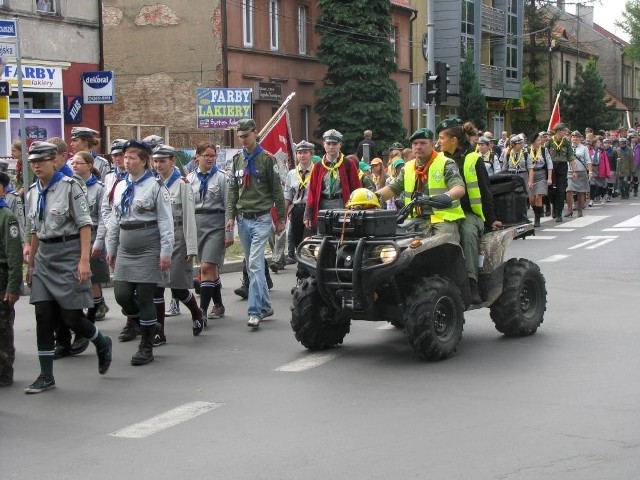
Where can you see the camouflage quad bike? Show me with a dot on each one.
(370, 265)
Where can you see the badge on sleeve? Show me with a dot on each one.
(13, 231)
(83, 206)
(165, 196)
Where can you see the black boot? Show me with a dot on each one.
(130, 331)
(475, 294)
(537, 213)
(243, 290)
(144, 354)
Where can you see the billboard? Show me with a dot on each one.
(220, 108)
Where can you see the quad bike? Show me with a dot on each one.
(375, 265)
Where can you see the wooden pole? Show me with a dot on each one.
(276, 115)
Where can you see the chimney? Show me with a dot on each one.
(585, 14)
(561, 5)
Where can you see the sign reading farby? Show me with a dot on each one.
(220, 108)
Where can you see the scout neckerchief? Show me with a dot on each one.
(127, 195)
(557, 145)
(250, 167)
(66, 170)
(513, 161)
(42, 192)
(303, 181)
(10, 188)
(333, 171)
(204, 180)
(92, 180)
(175, 175)
(3, 203)
(422, 172)
(118, 176)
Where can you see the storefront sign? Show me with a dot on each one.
(38, 129)
(72, 109)
(98, 88)
(269, 91)
(34, 77)
(7, 28)
(220, 108)
(7, 49)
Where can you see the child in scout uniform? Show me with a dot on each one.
(185, 245)
(209, 187)
(10, 281)
(140, 242)
(58, 271)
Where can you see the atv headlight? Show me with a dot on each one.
(388, 254)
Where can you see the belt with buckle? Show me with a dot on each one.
(66, 238)
(138, 226)
(252, 215)
(326, 196)
(209, 210)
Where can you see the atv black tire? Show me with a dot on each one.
(434, 318)
(519, 310)
(316, 325)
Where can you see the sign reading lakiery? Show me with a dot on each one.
(98, 88)
(34, 76)
(220, 108)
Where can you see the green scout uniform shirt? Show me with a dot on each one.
(10, 252)
(562, 154)
(261, 194)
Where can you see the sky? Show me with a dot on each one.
(606, 13)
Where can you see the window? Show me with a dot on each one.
(305, 121)
(273, 24)
(467, 28)
(45, 6)
(302, 29)
(512, 41)
(247, 23)
(394, 42)
(567, 72)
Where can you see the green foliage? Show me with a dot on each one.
(473, 106)
(583, 104)
(533, 97)
(631, 25)
(359, 92)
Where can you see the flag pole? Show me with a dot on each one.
(276, 115)
(555, 105)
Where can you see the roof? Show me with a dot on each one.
(611, 100)
(402, 4)
(564, 38)
(606, 33)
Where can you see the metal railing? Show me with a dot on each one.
(493, 20)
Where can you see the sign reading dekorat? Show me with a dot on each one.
(98, 88)
(220, 108)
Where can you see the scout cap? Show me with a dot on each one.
(332, 135)
(421, 133)
(448, 123)
(622, 140)
(153, 140)
(117, 145)
(516, 139)
(559, 126)
(304, 145)
(397, 162)
(484, 140)
(376, 161)
(162, 151)
(244, 126)
(39, 150)
(576, 133)
(82, 132)
(136, 144)
(364, 167)
(396, 146)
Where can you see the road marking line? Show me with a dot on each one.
(583, 222)
(386, 326)
(311, 360)
(594, 241)
(632, 222)
(558, 229)
(542, 237)
(165, 420)
(623, 229)
(554, 258)
(635, 204)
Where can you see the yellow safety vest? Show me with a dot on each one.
(471, 181)
(437, 186)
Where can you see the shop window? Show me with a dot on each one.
(46, 6)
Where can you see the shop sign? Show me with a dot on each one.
(220, 108)
(98, 88)
(36, 77)
(7, 28)
(72, 109)
(269, 91)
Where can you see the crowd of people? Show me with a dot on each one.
(142, 220)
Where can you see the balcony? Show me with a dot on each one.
(491, 78)
(493, 20)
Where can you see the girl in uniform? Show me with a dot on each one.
(59, 270)
(209, 187)
(540, 176)
(185, 240)
(140, 243)
(84, 139)
(82, 164)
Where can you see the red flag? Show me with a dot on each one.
(277, 141)
(555, 113)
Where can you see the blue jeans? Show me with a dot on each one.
(254, 235)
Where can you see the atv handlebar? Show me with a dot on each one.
(421, 200)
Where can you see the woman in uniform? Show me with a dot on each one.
(517, 161)
(59, 271)
(185, 241)
(84, 139)
(209, 187)
(140, 243)
(540, 176)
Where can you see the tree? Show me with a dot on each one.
(473, 106)
(533, 97)
(583, 104)
(631, 25)
(358, 91)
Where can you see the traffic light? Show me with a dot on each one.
(431, 83)
(443, 81)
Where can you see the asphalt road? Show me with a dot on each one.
(236, 404)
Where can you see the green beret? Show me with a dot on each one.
(421, 133)
(397, 162)
(245, 125)
(397, 146)
(364, 167)
(448, 123)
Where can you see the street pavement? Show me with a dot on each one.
(238, 404)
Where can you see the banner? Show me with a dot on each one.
(220, 108)
(277, 141)
(555, 113)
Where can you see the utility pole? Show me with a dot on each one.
(431, 64)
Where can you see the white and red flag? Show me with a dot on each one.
(277, 140)
(555, 113)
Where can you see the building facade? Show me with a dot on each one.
(59, 41)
